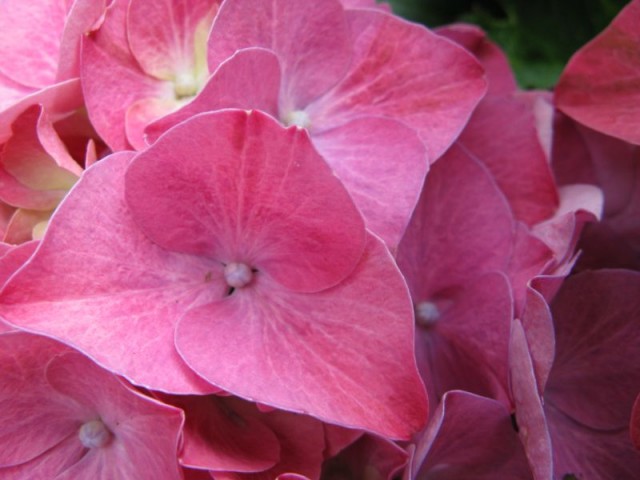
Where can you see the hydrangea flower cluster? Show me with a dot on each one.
(249, 239)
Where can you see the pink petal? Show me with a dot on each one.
(537, 323)
(450, 449)
(23, 225)
(35, 168)
(530, 257)
(404, 71)
(140, 114)
(595, 377)
(313, 48)
(635, 423)
(33, 418)
(14, 259)
(494, 61)
(502, 134)
(382, 163)
(344, 355)
(338, 438)
(588, 453)
(250, 79)
(56, 460)
(529, 414)
(219, 437)
(83, 16)
(599, 86)
(108, 101)
(301, 443)
(57, 99)
(145, 432)
(369, 457)
(247, 190)
(466, 347)
(163, 35)
(30, 35)
(98, 283)
(454, 237)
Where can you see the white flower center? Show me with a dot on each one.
(299, 118)
(94, 434)
(185, 85)
(237, 275)
(427, 314)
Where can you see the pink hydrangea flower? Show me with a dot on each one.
(383, 86)
(582, 426)
(469, 436)
(239, 256)
(36, 172)
(156, 56)
(64, 417)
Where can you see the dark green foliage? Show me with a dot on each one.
(538, 36)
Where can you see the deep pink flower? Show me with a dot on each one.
(582, 427)
(219, 436)
(301, 440)
(156, 58)
(586, 156)
(368, 92)
(239, 254)
(465, 259)
(64, 417)
(600, 86)
(469, 437)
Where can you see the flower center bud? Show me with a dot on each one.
(94, 434)
(299, 118)
(427, 314)
(237, 275)
(185, 85)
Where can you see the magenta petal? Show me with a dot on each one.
(36, 170)
(467, 346)
(108, 101)
(369, 457)
(33, 419)
(635, 423)
(247, 190)
(146, 433)
(140, 114)
(219, 437)
(301, 444)
(538, 326)
(529, 414)
(98, 283)
(596, 374)
(494, 61)
(382, 163)
(502, 134)
(452, 237)
(14, 259)
(30, 35)
(250, 79)
(403, 71)
(587, 453)
(162, 35)
(469, 437)
(344, 355)
(599, 86)
(311, 39)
